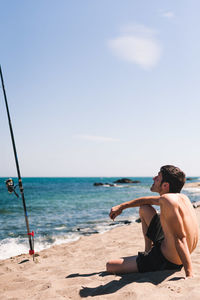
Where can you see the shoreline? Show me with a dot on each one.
(76, 270)
(83, 232)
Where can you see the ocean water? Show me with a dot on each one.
(60, 210)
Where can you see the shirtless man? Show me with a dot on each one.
(169, 238)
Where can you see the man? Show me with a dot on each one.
(169, 238)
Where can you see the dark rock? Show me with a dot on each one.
(126, 180)
(196, 204)
(189, 178)
(98, 183)
(138, 220)
(112, 224)
(127, 222)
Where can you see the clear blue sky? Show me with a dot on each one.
(100, 88)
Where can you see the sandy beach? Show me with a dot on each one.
(77, 270)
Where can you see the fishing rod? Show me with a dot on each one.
(9, 182)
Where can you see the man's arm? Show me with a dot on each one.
(117, 210)
(184, 254)
(175, 223)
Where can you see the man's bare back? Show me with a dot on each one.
(173, 206)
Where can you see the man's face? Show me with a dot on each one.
(156, 186)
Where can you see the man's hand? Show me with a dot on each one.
(115, 211)
(189, 275)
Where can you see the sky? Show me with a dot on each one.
(100, 88)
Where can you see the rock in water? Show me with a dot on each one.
(126, 180)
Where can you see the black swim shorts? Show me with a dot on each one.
(155, 232)
(154, 259)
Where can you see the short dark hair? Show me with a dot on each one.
(174, 176)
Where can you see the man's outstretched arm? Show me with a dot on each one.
(117, 210)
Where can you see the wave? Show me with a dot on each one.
(10, 247)
(14, 246)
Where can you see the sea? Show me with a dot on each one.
(61, 210)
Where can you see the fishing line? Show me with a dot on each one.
(9, 183)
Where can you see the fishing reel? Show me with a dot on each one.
(11, 187)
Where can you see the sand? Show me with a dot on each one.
(77, 271)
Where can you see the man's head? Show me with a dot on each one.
(170, 179)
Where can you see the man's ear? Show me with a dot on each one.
(166, 185)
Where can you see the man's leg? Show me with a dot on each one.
(128, 264)
(147, 212)
(122, 265)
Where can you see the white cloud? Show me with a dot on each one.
(94, 138)
(168, 14)
(138, 45)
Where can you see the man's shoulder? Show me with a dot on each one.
(171, 199)
(174, 200)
